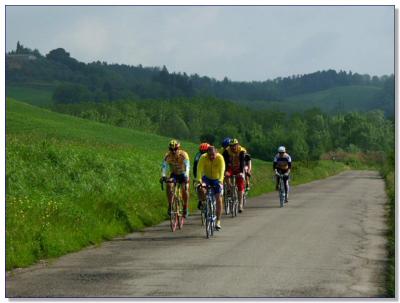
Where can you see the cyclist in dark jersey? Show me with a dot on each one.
(283, 165)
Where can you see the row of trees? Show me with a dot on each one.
(307, 135)
(99, 81)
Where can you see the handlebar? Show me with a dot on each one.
(165, 181)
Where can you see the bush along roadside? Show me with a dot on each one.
(388, 174)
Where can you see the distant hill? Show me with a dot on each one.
(331, 101)
(71, 81)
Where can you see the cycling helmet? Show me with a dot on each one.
(173, 144)
(204, 147)
(281, 149)
(226, 142)
(233, 142)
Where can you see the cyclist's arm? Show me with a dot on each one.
(225, 154)
(221, 169)
(196, 161)
(289, 164)
(187, 165)
(200, 169)
(275, 163)
(164, 168)
(241, 161)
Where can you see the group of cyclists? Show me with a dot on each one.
(214, 167)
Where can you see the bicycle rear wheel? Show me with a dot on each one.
(209, 219)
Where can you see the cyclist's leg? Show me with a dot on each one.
(185, 193)
(286, 182)
(218, 200)
(240, 187)
(246, 170)
(249, 174)
(200, 196)
(228, 175)
(277, 181)
(218, 189)
(202, 191)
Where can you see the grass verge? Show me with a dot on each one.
(389, 176)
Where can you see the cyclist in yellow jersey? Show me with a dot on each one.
(177, 161)
(210, 171)
(236, 167)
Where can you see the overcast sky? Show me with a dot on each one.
(240, 42)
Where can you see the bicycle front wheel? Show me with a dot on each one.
(281, 194)
(174, 215)
(181, 219)
(173, 221)
(209, 220)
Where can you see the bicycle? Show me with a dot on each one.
(281, 189)
(231, 198)
(210, 212)
(176, 214)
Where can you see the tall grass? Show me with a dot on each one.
(71, 182)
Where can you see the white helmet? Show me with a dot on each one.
(281, 149)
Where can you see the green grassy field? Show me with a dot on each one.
(71, 182)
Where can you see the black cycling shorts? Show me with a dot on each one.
(179, 178)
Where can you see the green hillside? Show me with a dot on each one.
(39, 94)
(333, 100)
(344, 98)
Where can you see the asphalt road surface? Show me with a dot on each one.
(327, 242)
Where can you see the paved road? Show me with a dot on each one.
(328, 242)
